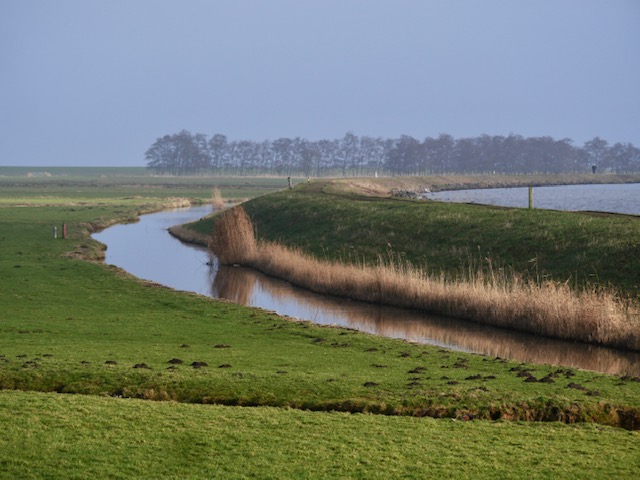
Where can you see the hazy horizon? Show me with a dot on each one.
(92, 83)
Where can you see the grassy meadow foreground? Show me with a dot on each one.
(48, 436)
(69, 325)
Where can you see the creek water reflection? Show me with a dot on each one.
(246, 286)
(146, 250)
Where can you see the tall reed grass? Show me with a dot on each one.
(216, 197)
(496, 298)
(234, 240)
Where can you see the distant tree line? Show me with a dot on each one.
(185, 153)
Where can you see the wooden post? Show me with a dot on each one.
(530, 196)
(64, 230)
(55, 231)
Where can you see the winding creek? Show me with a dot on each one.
(146, 250)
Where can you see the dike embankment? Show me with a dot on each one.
(359, 221)
(347, 219)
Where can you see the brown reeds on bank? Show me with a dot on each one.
(217, 200)
(505, 300)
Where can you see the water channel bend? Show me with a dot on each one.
(146, 250)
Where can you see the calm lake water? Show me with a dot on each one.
(146, 250)
(621, 198)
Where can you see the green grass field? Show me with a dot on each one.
(69, 325)
(109, 184)
(74, 436)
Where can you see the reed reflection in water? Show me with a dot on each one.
(248, 287)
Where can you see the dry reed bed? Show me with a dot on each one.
(550, 308)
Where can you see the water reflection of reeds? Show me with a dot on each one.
(235, 284)
(242, 285)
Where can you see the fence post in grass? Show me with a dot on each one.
(55, 231)
(530, 196)
(64, 230)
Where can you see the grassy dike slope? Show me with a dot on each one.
(342, 220)
(72, 326)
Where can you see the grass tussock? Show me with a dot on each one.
(217, 200)
(495, 298)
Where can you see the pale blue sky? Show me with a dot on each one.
(88, 82)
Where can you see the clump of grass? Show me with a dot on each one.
(218, 201)
(501, 299)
